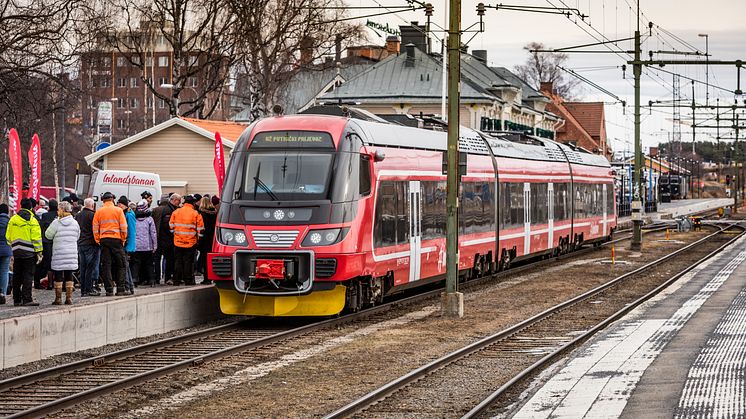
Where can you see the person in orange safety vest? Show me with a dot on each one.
(187, 225)
(110, 232)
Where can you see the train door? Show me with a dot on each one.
(550, 216)
(415, 230)
(527, 218)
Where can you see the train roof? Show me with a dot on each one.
(376, 131)
(503, 144)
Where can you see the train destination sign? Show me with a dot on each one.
(307, 139)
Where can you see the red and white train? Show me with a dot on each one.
(321, 213)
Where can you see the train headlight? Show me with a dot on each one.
(232, 237)
(324, 237)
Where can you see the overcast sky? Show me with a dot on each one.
(506, 32)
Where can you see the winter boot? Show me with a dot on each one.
(69, 287)
(57, 293)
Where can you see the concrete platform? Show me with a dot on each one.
(29, 334)
(671, 210)
(682, 354)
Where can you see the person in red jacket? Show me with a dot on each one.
(188, 227)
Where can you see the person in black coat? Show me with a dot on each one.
(44, 268)
(209, 217)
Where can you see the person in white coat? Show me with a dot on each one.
(64, 232)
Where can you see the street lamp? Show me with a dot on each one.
(707, 66)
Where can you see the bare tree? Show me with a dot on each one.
(198, 33)
(279, 37)
(544, 67)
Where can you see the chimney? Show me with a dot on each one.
(306, 51)
(392, 45)
(338, 48)
(409, 62)
(414, 34)
(480, 54)
(546, 87)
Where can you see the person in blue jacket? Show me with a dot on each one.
(130, 246)
(5, 252)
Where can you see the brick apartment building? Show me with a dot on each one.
(107, 74)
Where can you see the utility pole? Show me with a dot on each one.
(452, 304)
(694, 122)
(636, 198)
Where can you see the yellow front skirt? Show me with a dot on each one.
(318, 303)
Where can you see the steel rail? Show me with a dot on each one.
(489, 400)
(393, 386)
(106, 359)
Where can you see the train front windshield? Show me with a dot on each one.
(287, 175)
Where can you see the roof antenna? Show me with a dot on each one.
(277, 110)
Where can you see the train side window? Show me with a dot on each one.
(561, 209)
(512, 202)
(365, 181)
(402, 212)
(433, 209)
(539, 208)
(385, 217)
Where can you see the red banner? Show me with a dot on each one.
(14, 153)
(34, 161)
(219, 162)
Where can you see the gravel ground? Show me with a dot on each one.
(313, 375)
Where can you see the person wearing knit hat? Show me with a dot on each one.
(146, 242)
(129, 245)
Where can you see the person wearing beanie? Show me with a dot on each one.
(215, 202)
(110, 232)
(5, 252)
(64, 233)
(145, 246)
(129, 245)
(24, 236)
(88, 249)
(44, 268)
(162, 219)
(187, 226)
(209, 217)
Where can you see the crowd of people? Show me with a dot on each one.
(119, 246)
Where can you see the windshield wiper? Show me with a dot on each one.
(258, 183)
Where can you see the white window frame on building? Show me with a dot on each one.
(121, 103)
(163, 61)
(106, 61)
(192, 61)
(149, 102)
(161, 81)
(134, 103)
(134, 82)
(149, 61)
(161, 104)
(121, 124)
(105, 82)
(121, 61)
(122, 82)
(135, 59)
(192, 82)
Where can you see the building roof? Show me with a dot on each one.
(229, 132)
(527, 92)
(590, 115)
(394, 80)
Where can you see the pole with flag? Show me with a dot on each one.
(218, 162)
(14, 152)
(34, 161)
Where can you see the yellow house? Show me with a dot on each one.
(180, 150)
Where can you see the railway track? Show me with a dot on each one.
(529, 345)
(50, 390)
